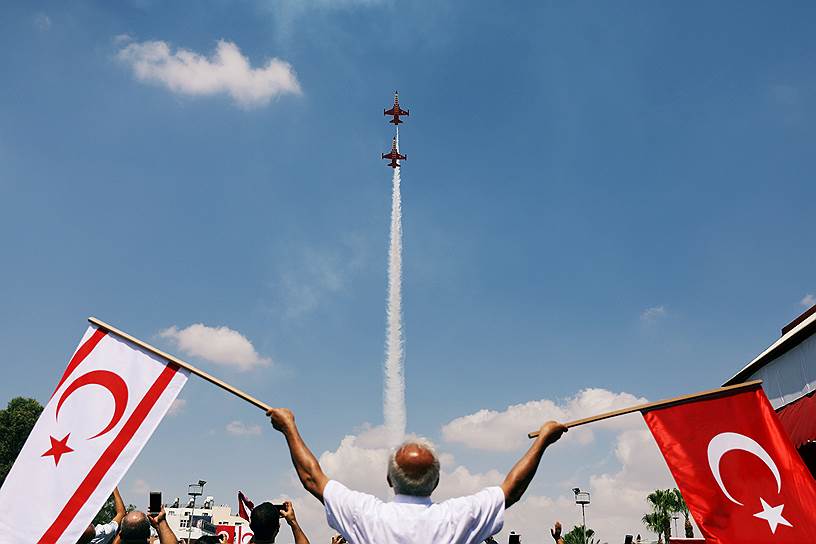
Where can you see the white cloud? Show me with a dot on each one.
(652, 314)
(220, 345)
(507, 430)
(808, 300)
(227, 71)
(42, 22)
(618, 498)
(239, 428)
(140, 488)
(177, 407)
(121, 39)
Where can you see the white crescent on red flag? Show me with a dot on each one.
(105, 407)
(737, 469)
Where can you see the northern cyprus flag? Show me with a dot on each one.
(108, 402)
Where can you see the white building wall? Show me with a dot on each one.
(790, 376)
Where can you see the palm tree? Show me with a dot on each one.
(576, 536)
(655, 524)
(663, 504)
(682, 508)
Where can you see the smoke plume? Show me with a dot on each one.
(394, 393)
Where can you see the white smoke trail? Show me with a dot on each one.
(394, 393)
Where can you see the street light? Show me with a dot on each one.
(195, 491)
(582, 498)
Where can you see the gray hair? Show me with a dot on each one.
(421, 485)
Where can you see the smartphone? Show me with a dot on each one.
(155, 503)
(514, 539)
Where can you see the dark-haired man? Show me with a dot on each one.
(265, 523)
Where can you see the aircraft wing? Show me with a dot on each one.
(389, 112)
(401, 112)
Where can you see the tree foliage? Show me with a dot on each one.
(682, 508)
(108, 511)
(577, 536)
(16, 422)
(664, 504)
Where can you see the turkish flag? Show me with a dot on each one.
(742, 479)
(108, 402)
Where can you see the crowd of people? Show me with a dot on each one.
(412, 517)
(137, 527)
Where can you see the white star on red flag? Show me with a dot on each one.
(773, 515)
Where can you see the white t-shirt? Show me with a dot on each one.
(105, 533)
(365, 519)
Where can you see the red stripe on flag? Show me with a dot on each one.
(109, 456)
(83, 351)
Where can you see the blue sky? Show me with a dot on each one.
(571, 166)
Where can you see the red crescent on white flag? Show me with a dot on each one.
(110, 381)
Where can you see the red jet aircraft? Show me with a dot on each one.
(396, 111)
(394, 155)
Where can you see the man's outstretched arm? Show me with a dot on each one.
(306, 465)
(520, 476)
(120, 506)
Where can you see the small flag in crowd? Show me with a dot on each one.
(245, 506)
(106, 406)
(738, 471)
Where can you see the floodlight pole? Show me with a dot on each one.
(194, 490)
(582, 498)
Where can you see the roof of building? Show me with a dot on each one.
(793, 334)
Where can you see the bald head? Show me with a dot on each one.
(414, 459)
(135, 527)
(413, 469)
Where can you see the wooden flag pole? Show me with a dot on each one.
(183, 364)
(659, 404)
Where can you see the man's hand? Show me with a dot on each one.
(552, 431)
(523, 471)
(556, 531)
(338, 539)
(288, 513)
(282, 419)
(156, 521)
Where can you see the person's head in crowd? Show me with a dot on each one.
(265, 523)
(413, 469)
(135, 528)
